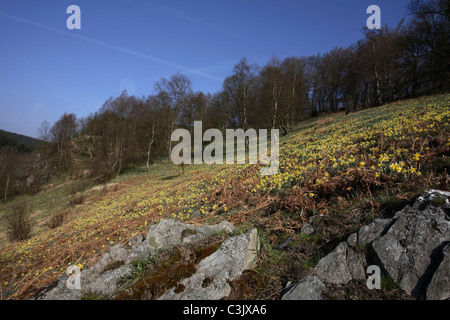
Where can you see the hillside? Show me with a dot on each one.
(345, 169)
(21, 142)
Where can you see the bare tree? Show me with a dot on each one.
(62, 133)
(8, 163)
(172, 95)
(117, 116)
(239, 87)
(271, 76)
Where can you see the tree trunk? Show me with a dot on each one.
(150, 146)
(170, 142)
(7, 185)
(274, 118)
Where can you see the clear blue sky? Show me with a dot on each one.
(46, 69)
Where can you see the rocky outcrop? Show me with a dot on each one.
(103, 277)
(341, 265)
(439, 287)
(211, 281)
(412, 248)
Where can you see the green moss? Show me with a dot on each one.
(113, 265)
(92, 295)
(438, 201)
(154, 279)
(207, 281)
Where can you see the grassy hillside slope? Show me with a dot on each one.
(350, 168)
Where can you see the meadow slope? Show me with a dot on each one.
(330, 165)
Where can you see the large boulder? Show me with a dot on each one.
(211, 280)
(168, 233)
(104, 277)
(341, 265)
(412, 248)
(439, 287)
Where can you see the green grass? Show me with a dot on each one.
(92, 295)
(141, 265)
(438, 201)
(311, 263)
(387, 283)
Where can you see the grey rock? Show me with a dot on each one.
(103, 277)
(352, 240)
(356, 264)
(367, 234)
(429, 195)
(105, 283)
(341, 265)
(30, 180)
(136, 241)
(58, 291)
(223, 226)
(308, 229)
(413, 247)
(333, 267)
(116, 253)
(285, 244)
(211, 280)
(168, 233)
(309, 288)
(407, 250)
(439, 287)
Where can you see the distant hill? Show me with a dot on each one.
(23, 143)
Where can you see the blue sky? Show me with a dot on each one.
(46, 69)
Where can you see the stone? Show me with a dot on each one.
(105, 283)
(341, 265)
(309, 288)
(429, 195)
(356, 265)
(408, 251)
(136, 241)
(30, 180)
(439, 287)
(352, 240)
(285, 244)
(307, 229)
(168, 233)
(115, 264)
(412, 247)
(116, 253)
(367, 234)
(211, 280)
(333, 267)
(58, 291)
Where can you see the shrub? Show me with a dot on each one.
(56, 219)
(78, 199)
(18, 222)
